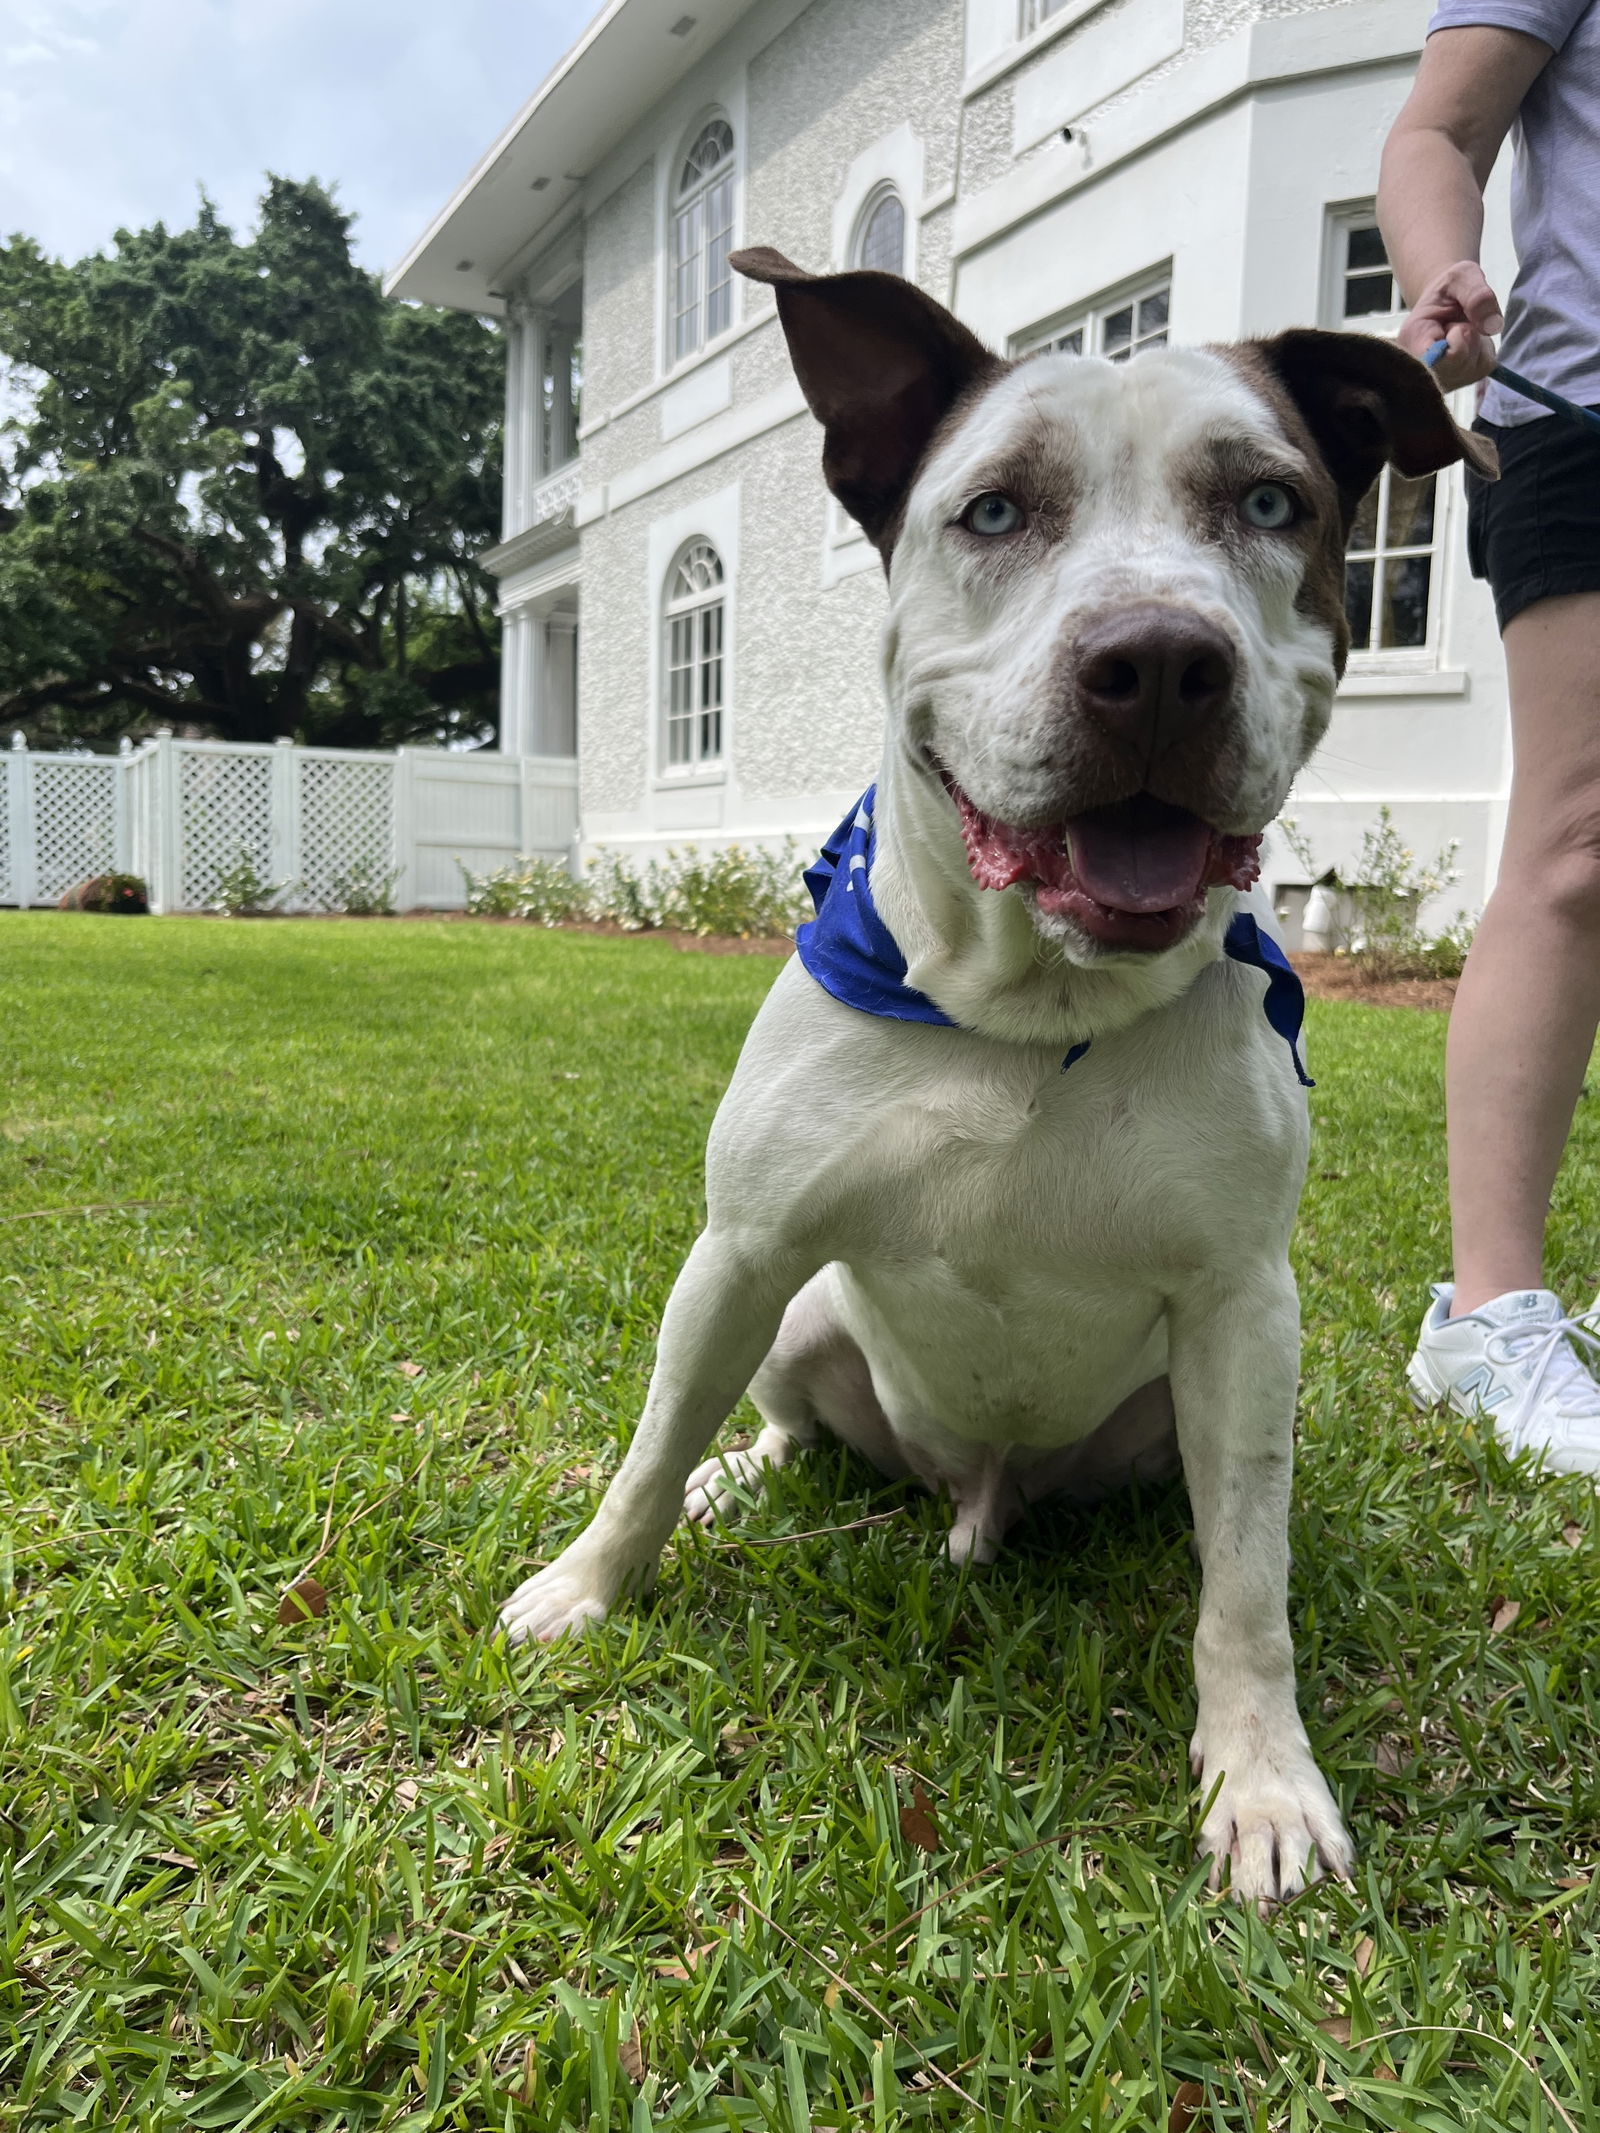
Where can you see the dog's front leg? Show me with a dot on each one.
(720, 1320)
(1234, 1363)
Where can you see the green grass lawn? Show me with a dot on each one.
(340, 1248)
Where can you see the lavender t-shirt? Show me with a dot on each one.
(1553, 312)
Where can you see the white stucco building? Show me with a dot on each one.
(687, 614)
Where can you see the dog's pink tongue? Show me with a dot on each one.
(1140, 855)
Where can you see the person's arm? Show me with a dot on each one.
(1436, 163)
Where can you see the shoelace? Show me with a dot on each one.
(1573, 1392)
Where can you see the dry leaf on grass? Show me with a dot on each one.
(1187, 2099)
(409, 1370)
(688, 1963)
(1574, 1881)
(1337, 2027)
(406, 1792)
(305, 1598)
(630, 2055)
(1505, 1613)
(1387, 1756)
(1366, 1947)
(917, 1825)
(1572, 1533)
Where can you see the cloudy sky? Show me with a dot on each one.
(116, 112)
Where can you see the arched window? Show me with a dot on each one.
(693, 698)
(702, 236)
(881, 241)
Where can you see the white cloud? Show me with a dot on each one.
(115, 113)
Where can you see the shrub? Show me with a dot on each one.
(622, 893)
(1383, 893)
(243, 891)
(755, 893)
(537, 889)
(108, 892)
(365, 890)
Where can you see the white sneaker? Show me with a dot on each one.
(1517, 1359)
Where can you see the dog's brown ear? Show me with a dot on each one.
(880, 364)
(1365, 402)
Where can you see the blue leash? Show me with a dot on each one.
(1584, 416)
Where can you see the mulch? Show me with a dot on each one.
(1335, 977)
(704, 943)
(1325, 977)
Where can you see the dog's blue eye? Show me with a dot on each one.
(992, 513)
(1268, 505)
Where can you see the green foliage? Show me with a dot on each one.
(753, 893)
(350, 1242)
(243, 493)
(109, 892)
(243, 891)
(543, 890)
(1383, 894)
(364, 890)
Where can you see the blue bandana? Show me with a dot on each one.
(851, 953)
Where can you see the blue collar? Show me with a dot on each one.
(852, 954)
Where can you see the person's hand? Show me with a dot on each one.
(1460, 307)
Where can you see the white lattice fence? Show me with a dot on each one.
(75, 808)
(338, 824)
(345, 826)
(224, 818)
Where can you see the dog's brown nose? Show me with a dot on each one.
(1149, 673)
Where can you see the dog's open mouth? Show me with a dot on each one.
(1133, 875)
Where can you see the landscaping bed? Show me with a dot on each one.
(1341, 977)
(333, 1259)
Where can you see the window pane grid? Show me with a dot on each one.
(702, 299)
(1389, 565)
(1367, 287)
(1033, 12)
(883, 237)
(687, 304)
(1118, 331)
(695, 658)
(1134, 326)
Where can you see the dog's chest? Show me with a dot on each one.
(1025, 1177)
(1013, 1238)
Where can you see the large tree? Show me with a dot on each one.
(242, 493)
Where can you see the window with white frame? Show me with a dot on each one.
(1391, 570)
(1119, 327)
(694, 665)
(1389, 565)
(702, 236)
(1365, 288)
(881, 233)
(1034, 12)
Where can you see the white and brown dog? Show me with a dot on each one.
(1116, 624)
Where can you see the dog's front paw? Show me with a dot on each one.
(561, 1598)
(1273, 1825)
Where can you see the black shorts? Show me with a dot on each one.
(1535, 532)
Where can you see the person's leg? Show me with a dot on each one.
(1529, 1000)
